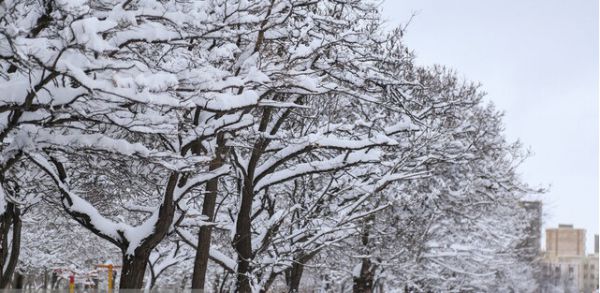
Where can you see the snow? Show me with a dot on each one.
(335, 163)
(147, 31)
(228, 101)
(335, 142)
(401, 126)
(222, 258)
(277, 104)
(95, 141)
(86, 33)
(199, 179)
(135, 85)
(78, 205)
(226, 122)
(318, 140)
(257, 241)
(153, 82)
(303, 51)
(2, 201)
(356, 270)
(121, 16)
(76, 7)
(226, 51)
(135, 235)
(255, 75)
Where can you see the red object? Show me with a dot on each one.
(72, 279)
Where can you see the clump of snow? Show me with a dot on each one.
(404, 125)
(255, 75)
(2, 201)
(99, 141)
(135, 235)
(86, 32)
(229, 101)
(76, 7)
(153, 82)
(121, 16)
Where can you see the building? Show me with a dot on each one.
(589, 280)
(532, 243)
(530, 246)
(565, 241)
(565, 263)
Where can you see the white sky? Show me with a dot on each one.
(538, 62)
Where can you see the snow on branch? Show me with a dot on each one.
(317, 141)
(336, 163)
(198, 180)
(80, 209)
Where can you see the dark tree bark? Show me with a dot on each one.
(5, 226)
(270, 279)
(134, 266)
(9, 254)
(242, 240)
(293, 277)
(133, 270)
(365, 281)
(208, 209)
(19, 281)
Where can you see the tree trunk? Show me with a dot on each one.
(208, 209)
(242, 241)
(53, 280)
(5, 225)
(9, 256)
(19, 281)
(365, 281)
(45, 286)
(134, 266)
(293, 277)
(133, 270)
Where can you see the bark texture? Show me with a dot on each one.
(10, 224)
(134, 266)
(364, 282)
(208, 209)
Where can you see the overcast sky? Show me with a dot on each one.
(538, 62)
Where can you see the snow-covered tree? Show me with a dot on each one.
(113, 82)
(265, 135)
(457, 227)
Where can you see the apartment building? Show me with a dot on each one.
(565, 262)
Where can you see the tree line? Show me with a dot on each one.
(250, 146)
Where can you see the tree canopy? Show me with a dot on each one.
(250, 146)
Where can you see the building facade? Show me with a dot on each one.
(565, 263)
(565, 241)
(531, 245)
